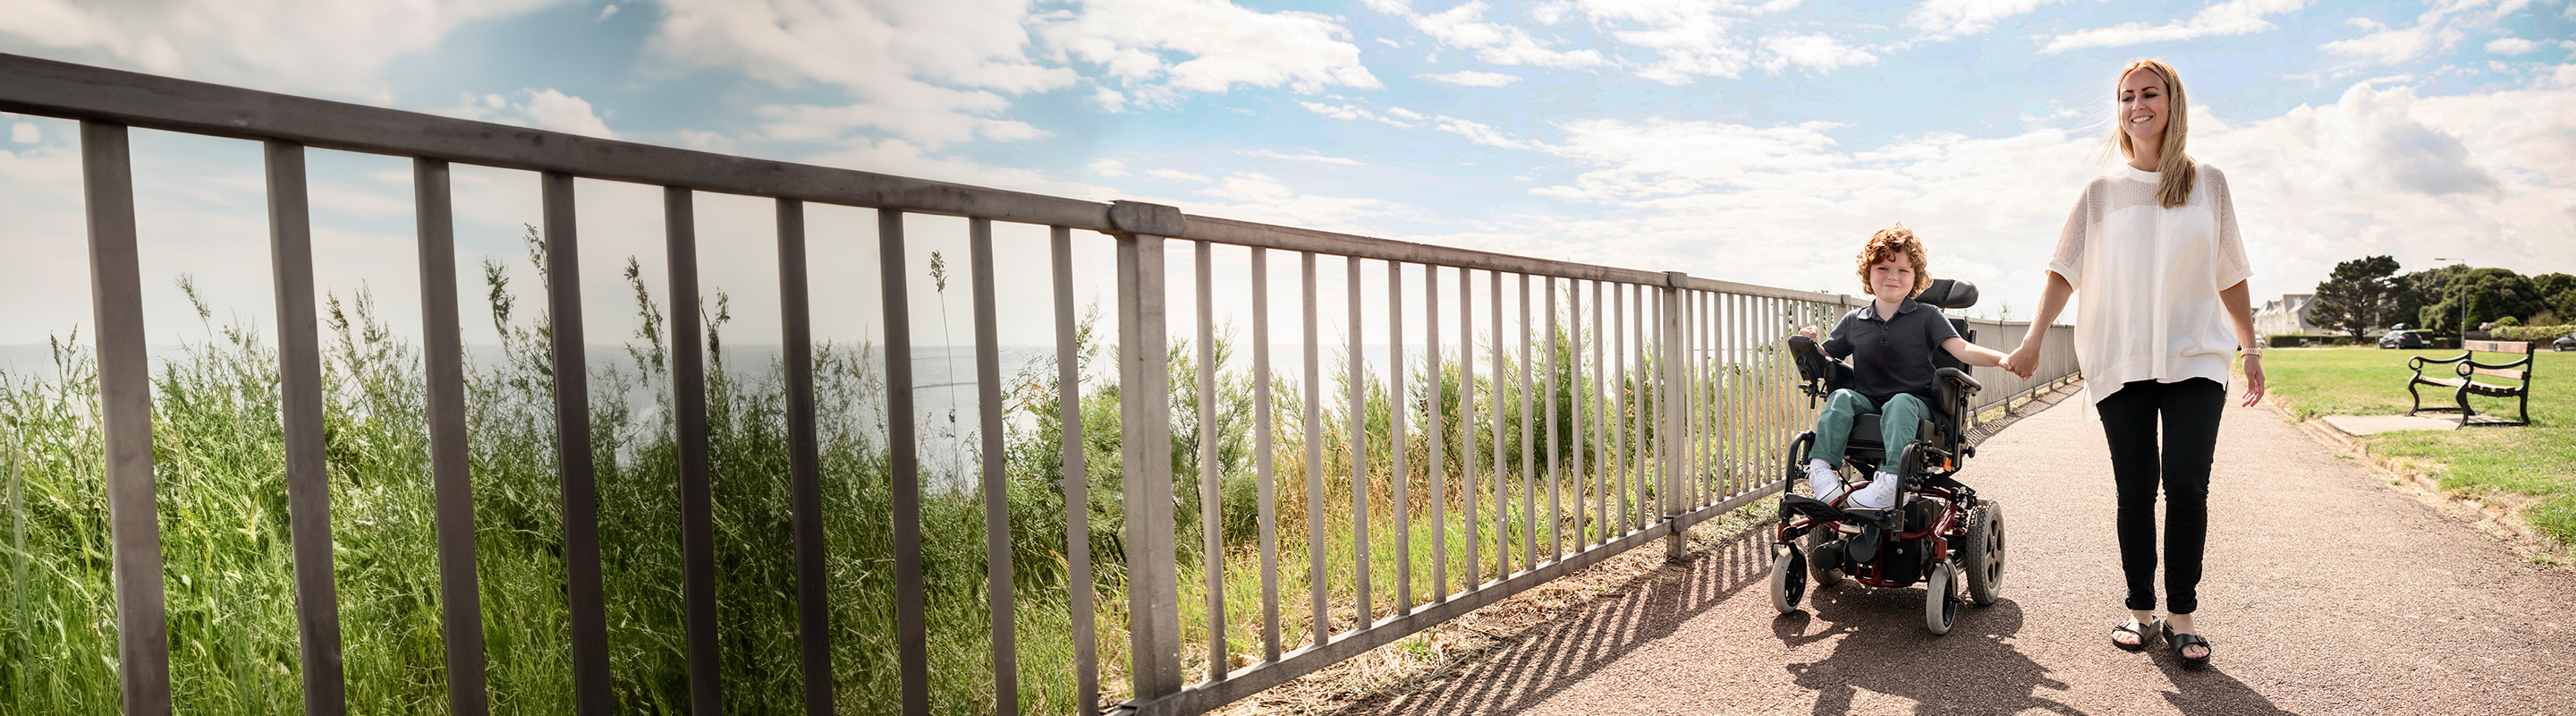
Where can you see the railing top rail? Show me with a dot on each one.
(82, 92)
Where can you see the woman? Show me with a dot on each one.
(2154, 247)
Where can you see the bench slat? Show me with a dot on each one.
(2521, 375)
(2493, 390)
(2500, 346)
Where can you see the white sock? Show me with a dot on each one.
(1822, 479)
(1880, 494)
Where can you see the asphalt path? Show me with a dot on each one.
(2326, 592)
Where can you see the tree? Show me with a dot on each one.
(2491, 293)
(2421, 289)
(2357, 297)
(2558, 296)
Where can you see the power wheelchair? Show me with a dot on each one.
(1940, 533)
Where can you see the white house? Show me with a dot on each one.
(2288, 315)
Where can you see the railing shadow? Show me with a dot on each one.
(1561, 652)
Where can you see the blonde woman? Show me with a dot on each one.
(2154, 247)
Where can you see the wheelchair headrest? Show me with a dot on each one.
(1949, 293)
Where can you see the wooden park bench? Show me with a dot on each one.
(2468, 372)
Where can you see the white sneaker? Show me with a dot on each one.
(1822, 479)
(1879, 494)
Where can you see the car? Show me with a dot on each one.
(2402, 340)
(2565, 343)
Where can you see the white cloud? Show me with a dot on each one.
(706, 141)
(25, 133)
(307, 46)
(1464, 27)
(1481, 133)
(549, 109)
(1691, 41)
(1108, 167)
(605, 12)
(1176, 175)
(933, 119)
(1307, 156)
(1472, 78)
(2511, 46)
(1817, 52)
(1222, 45)
(546, 109)
(1110, 100)
(1254, 196)
(1351, 112)
(2389, 47)
(1945, 19)
(929, 73)
(2234, 17)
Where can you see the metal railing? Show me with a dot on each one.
(1666, 400)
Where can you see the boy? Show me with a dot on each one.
(1890, 341)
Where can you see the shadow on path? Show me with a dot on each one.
(1544, 659)
(1883, 648)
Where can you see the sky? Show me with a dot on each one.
(1758, 142)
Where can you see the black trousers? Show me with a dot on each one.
(2189, 411)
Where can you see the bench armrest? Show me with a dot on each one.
(2417, 363)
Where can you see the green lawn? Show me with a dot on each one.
(2538, 460)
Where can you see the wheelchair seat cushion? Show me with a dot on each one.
(1865, 434)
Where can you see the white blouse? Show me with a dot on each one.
(2149, 278)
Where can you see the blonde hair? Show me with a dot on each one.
(2176, 168)
(1888, 243)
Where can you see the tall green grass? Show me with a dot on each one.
(219, 463)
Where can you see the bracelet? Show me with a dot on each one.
(2256, 352)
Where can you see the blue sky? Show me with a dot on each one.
(1747, 141)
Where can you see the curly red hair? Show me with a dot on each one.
(1887, 244)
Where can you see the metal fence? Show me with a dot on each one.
(1572, 413)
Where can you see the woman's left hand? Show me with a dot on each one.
(2253, 379)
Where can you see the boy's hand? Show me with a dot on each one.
(2023, 361)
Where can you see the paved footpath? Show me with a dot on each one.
(2326, 593)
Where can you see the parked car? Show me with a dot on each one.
(2402, 340)
(2565, 343)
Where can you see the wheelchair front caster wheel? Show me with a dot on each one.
(1788, 579)
(1941, 598)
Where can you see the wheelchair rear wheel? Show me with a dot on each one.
(1982, 553)
(1788, 579)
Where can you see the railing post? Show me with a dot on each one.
(1145, 419)
(125, 418)
(308, 487)
(1671, 437)
(443, 350)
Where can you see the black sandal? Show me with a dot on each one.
(2133, 628)
(2183, 640)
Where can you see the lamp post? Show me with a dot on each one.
(2464, 301)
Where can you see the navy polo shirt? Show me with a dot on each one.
(1894, 354)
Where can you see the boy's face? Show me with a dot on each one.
(1892, 279)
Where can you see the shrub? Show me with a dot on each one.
(2536, 334)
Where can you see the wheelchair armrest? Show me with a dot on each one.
(1967, 385)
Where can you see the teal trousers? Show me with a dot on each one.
(1898, 421)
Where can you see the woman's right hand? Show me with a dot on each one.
(1807, 332)
(2024, 361)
